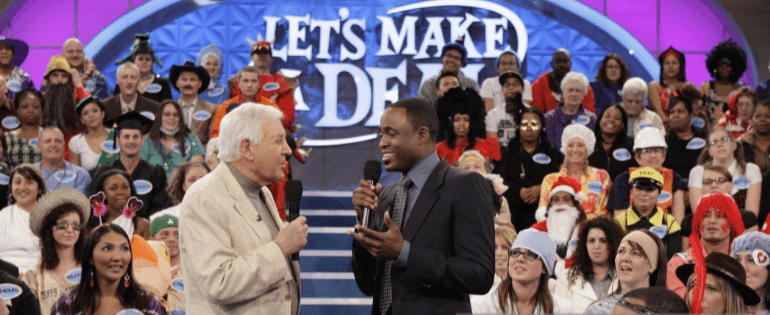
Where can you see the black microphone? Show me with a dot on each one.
(372, 173)
(293, 196)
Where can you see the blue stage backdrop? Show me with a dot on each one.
(354, 58)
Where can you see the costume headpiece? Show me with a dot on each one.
(20, 49)
(188, 65)
(260, 45)
(141, 46)
(57, 63)
(722, 266)
(97, 203)
(670, 52)
(132, 206)
(569, 185)
(578, 131)
(213, 50)
(540, 243)
(51, 201)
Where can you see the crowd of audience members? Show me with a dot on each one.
(611, 195)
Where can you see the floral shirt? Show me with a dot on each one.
(64, 303)
(17, 81)
(596, 186)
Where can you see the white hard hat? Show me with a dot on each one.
(649, 138)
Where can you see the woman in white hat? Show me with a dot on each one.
(751, 250)
(59, 220)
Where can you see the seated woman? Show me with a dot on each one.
(721, 286)
(104, 289)
(613, 73)
(726, 63)
(473, 161)
(170, 142)
(685, 140)
(524, 289)
(86, 148)
(578, 143)
(527, 160)
(740, 108)
(18, 245)
(59, 220)
(184, 176)
(614, 153)
(574, 86)
(722, 149)
(22, 142)
(640, 263)
(465, 112)
(751, 250)
(593, 268)
(504, 237)
(117, 188)
(756, 142)
(671, 79)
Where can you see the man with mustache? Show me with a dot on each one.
(128, 99)
(57, 172)
(191, 81)
(501, 121)
(546, 90)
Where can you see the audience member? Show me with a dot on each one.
(613, 152)
(190, 81)
(445, 82)
(59, 220)
(166, 229)
(726, 63)
(719, 288)
(492, 88)
(563, 220)
(149, 180)
(23, 304)
(571, 111)
(57, 172)
(715, 224)
(763, 89)
(609, 81)
(474, 161)
(527, 160)
(250, 91)
(170, 141)
(639, 117)
(453, 57)
(17, 243)
(465, 111)
(64, 92)
(5, 175)
(116, 186)
(501, 121)
(92, 80)
(274, 86)
(212, 153)
(716, 179)
(740, 108)
(751, 250)
(210, 57)
(86, 148)
(756, 142)
(149, 84)
(685, 141)
(525, 288)
(22, 142)
(181, 180)
(577, 144)
(671, 79)
(13, 52)
(127, 98)
(548, 88)
(650, 151)
(8, 119)
(644, 214)
(103, 289)
(651, 301)
(592, 273)
(722, 149)
(639, 263)
(504, 237)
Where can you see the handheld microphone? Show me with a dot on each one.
(372, 173)
(293, 196)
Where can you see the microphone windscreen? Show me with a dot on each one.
(372, 170)
(293, 190)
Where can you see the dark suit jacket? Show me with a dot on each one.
(112, 106)
(451, 232)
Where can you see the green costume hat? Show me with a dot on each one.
(141, 46)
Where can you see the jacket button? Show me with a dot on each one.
(288, 297)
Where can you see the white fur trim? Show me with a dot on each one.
(564, 188)
(540, 214)
(580, 196)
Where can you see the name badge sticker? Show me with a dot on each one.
(13, 86)
(9, 291)
(11, 122)
(541, 158)
(573, 243)
(659, 231)
(697, 122)
(33, 142)
(131, 311)
(582, 120)
(107, 147)
(178, 284)
(201, 115)
(270, 86)
(142, 186)
(73, 276)
(595, 187)
(149, 115)
(90, 86)
(4, 179)
(696, 144)
(154, 88)
(664, 197)
(645, 125)
(175, 147)
(621, 155)
(741, 182)
(64, 176)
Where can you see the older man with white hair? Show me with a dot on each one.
(574, 87)
(128, 99)
(634, 93)
(235, 249)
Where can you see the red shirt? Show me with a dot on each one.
(488, 147)
(543, 98)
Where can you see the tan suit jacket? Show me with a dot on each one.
(201, 127)
(231, 265)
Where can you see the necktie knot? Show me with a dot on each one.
(405, 182)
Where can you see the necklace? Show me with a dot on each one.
(147, 77)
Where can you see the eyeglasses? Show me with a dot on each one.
(530, 125)
(455, 57)
(720, 140)
(64, 226)
(503, 63)
(720, 180)
(528, 254)
(635, 307)
(613, 66)
(653, 150)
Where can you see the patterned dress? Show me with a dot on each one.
(20, 150)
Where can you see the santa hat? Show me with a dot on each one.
(566, 184)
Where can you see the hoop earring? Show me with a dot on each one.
(125, 282)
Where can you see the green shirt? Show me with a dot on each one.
(170, 160)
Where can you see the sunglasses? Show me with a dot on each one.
(532, 124)
(528, 254)
(720, 140)
(725, 63)
(720, 180)
(64, 226)
(635, 307)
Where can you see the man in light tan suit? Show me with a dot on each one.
(235, 249)
(196, 113)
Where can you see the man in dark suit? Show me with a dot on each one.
(128, 99)
(446, 214)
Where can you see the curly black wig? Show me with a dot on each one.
(459, 101)
(730, 50)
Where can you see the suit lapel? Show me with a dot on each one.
(426, 199)
(243, 205)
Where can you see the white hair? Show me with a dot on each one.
(71, 40)
(635, 86)
(573, 76)
(248, 121)
(128, 65)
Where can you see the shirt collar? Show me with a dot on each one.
(131, 105)
(246, 183)
(419, 173)
(181, 103)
